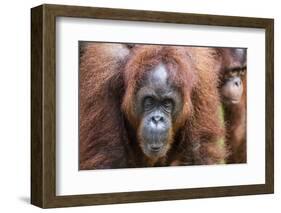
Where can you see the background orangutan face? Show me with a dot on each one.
(232, 89)
(233, 72)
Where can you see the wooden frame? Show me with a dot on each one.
(43, 106)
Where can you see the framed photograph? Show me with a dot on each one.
(136, 106)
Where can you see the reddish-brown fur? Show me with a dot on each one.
(235, 115)
(103, 137)
(109, 79)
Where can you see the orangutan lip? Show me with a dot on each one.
(231, 100)
(155, 150)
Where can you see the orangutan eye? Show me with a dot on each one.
(242, 72)
(233, 73)
(130, 46)
(148, 103)
(168, 105)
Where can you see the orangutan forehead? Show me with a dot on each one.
(238, 57)
(159, 75)
(158, 80)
